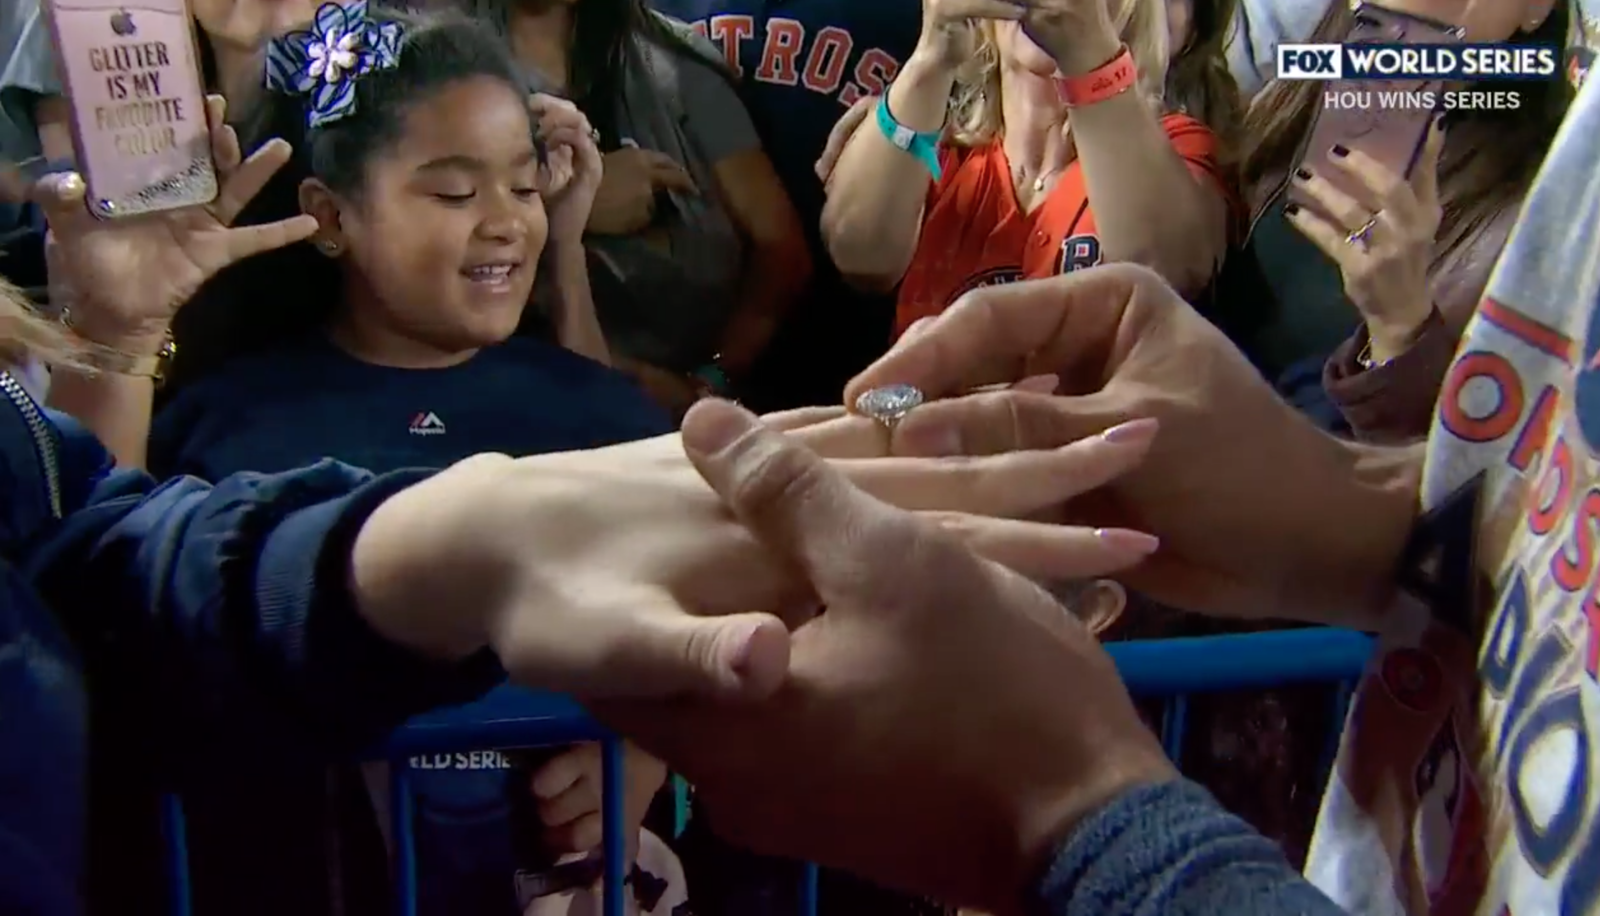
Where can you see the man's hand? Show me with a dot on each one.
(1259, 513)
(943, 725)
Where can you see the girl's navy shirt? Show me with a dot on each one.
(291, 407)
(286, 408)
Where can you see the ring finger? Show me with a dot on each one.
(1006, 485)
(1346, 211)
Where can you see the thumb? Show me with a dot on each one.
(663, 652)
(61, 196)
(804, 510)
(645, 645)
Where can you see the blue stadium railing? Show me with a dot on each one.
(512, 718)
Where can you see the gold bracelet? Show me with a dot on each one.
(101, 358)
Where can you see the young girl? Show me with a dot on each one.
(439, 192)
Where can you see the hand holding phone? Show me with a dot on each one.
(138, 104)
(1391, 135)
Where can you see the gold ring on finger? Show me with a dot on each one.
(1362, 235)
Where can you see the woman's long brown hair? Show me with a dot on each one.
(1199, 82)
(1489, 159)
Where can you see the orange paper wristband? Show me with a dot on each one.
(1106, 81)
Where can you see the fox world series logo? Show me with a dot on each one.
(1371, 61)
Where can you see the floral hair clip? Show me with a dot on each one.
(324, 60)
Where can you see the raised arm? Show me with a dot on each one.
(872, 218)
(1157, 196)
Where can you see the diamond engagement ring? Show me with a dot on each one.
(889, 404)
(1360, 236)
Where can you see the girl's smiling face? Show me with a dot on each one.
(445, 234)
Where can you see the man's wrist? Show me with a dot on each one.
(1045, 825)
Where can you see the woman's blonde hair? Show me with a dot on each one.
(24, 333)
(975, 117)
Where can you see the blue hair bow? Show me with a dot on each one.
(324, 60)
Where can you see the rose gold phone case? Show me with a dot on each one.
(138, 103)
(1394, 136)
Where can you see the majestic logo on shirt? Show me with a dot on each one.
(427, 423)
(995, 276)
(1078, 252)
(789, 53)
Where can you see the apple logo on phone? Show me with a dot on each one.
(122, 23)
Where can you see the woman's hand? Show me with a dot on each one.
(568, 790)
(1260, 514)
(842, 131)
(573, 168)
(247, 25)
(943, 38)
(124, 279)
(1078, 34)
(594, 572)
(1382, 240)
(626, 201)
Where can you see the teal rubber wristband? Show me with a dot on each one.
(924, 146)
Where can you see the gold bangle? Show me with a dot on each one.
(100, 358)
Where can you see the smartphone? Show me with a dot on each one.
(138, 104)
(1392, 135)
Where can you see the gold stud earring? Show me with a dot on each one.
(329, 248)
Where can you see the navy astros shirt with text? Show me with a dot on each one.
(801, 64)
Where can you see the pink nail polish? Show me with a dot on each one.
(1131, 432)
(1129, 540)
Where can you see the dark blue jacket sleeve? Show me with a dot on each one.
(217, 619)
(1171, 850)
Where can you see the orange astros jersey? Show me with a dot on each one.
(974, 233)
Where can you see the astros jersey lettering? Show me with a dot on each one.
(975, 234)
(802, 63)
(1466, 784)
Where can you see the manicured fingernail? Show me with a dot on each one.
(1303, 174)
(1340, 150)
(1129, 540)
(1291, 209)
(1132, 432)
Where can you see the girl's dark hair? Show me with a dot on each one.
(1199, 82)
(286, 294)
(1489, 159)
(603, 33)
(436, 51)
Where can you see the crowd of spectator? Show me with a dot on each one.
(553, 226)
